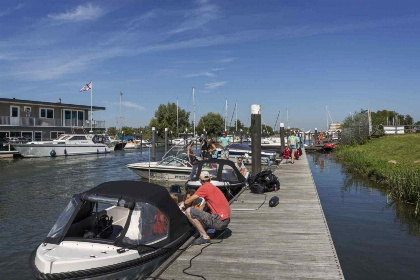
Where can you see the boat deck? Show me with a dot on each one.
(290, 241)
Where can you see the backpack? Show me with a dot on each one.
(264, 181)
(297, 154)
(286, 153)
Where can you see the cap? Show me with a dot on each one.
(205, 175)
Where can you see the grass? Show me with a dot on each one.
(372, 160)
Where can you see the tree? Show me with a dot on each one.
(213, 124)
(112, 131)
(267, 130)
(165, 117)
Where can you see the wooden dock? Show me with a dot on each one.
(290, 241)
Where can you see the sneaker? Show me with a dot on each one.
(201, 240)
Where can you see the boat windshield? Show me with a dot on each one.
(64, 218)
(173, 161)
(64, 137)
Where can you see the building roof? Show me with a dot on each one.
(50, 104)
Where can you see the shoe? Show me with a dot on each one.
(201, 240)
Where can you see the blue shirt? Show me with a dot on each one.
(224, 141)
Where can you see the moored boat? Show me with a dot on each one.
(117, 230)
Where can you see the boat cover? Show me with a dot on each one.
(219, 169)
(139, 193)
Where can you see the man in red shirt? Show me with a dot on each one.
(219, 217)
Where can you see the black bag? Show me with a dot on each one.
(256, 188)
(267, 180)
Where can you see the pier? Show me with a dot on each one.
(290, 241)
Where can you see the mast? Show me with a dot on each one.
(326, 111)
(119, 119)
(287, 117)
(193, 92)
(236, 122)
(177, 121)
(226, 111)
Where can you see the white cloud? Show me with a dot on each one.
(215, 85)
(11, 10)
(80, 13)
(203, 74)
(198, 17)
(130, 104)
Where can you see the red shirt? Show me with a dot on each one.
(215, 200)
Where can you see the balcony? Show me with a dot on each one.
(43, 122)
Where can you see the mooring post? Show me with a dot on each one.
(282, 137)
(153, 143)
(166, 139)
(316, 135)
(256, 138)
(141, 141)
(241, 136)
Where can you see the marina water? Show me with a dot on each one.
(372, 239)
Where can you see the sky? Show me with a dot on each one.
(290, 55)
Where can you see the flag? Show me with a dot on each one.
(87, 87)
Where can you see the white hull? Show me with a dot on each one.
(161, 172)
(45, 150)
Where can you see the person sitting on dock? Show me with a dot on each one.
(241, 167)
(218, 219)
(224, 143)
(292, 144)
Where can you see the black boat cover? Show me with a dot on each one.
(218, 167)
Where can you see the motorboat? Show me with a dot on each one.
(65, 145)
(177, 141)
(132, 144)
(117, 230)
(272, 142)
(244, 151)
(224, 175)
(171, 168)
(329, 147)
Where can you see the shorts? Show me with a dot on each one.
(292, 147)
(209, 220)
(224, 154)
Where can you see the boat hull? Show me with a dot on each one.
(160, 173)
(45, 150)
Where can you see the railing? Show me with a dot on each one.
(28, 121)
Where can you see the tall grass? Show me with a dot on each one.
(402, 180)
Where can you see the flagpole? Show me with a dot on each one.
(91, 109)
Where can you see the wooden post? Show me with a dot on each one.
(141, 141)
(282, 137)
(166, 140)
(315, 135)
(256, 138)
(153, 143)
(304, 138)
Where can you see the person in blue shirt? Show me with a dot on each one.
(224, 143)
(292, 143)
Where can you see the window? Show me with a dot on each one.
(78, 138)
(80, 117)
(27, 135)
(38, 135)
(46, 113)
(55, 134)
(14, 111)
(27, 111)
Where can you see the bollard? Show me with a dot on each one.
(304, 138)
(256, 138)
(282, 137)
(141, 141)
(315, 135)
(153, 143)
(166, 140)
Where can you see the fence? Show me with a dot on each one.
(358, 129)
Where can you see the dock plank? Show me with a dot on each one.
(290, 241)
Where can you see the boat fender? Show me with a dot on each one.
(274, 201)
(97, 151)
(65, 152)
(105, 150)
(52, 153)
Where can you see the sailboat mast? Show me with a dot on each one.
(119, 118)
(236, 111)
(226, 111)
(177, 121)
(193, 92)
(287, 117)
(326, 112)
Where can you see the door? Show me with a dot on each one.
(14, 115)
(67, 118)
(73, 118)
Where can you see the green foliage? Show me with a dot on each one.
(213, 124)
(373, 161)
(384, 116)
(112, 131)
(165, 117)
(267, 130)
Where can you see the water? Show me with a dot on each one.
(373, 239)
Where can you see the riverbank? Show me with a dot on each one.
(391, 161)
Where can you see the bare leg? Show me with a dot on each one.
(196, 223)
(293, 156)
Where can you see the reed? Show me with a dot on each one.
(401, 179)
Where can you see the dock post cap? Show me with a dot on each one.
(281, 124)
(256, 109)
(316, 128)
(166, 129)
(153, 128)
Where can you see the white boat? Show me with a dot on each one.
(137, 227)
(244, 151)
(132, 144)
(172, 168)
(177, 141)
(65, 145)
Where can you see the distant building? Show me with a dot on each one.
(335, 126)
(38, 120)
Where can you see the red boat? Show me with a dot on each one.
(329, 147)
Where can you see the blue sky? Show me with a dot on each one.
(297, 54)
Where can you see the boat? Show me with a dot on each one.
(116, 230)
(329, 147)
(224, 175)
(171, 168)
(65, 145)
(237, 150)
(132, 144)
